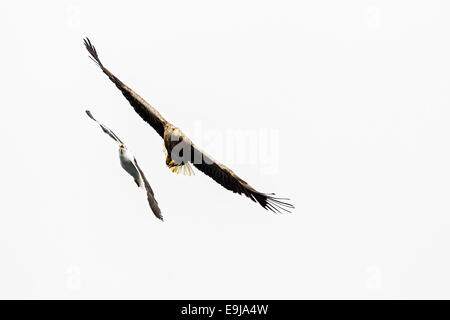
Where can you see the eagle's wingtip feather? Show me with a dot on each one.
(92, 51)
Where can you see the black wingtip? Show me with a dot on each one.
(274, 204)
(90, 115)
(157, 212)
(92, 51)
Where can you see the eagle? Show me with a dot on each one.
(130, 165)
(181, 151)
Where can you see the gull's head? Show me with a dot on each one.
(122, 148)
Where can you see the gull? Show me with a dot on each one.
(130, 165)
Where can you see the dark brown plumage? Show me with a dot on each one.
(144, 109)
(202, 161)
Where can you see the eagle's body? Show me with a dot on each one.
(171, 137)
(177, 157)
(181, 151)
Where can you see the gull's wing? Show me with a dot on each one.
(105, 128)
(150, 195)
(142, 107)
(229, 180)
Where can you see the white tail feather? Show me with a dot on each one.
(184, 169)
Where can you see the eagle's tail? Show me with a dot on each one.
(184, 169)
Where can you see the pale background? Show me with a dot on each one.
(354, 96)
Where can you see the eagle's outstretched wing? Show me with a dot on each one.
(142, 107)
(217, 171)
(229, 180)
(150, 195)
(105, 129)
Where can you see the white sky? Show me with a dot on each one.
(347, 105)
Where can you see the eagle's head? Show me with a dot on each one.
(175, 134)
